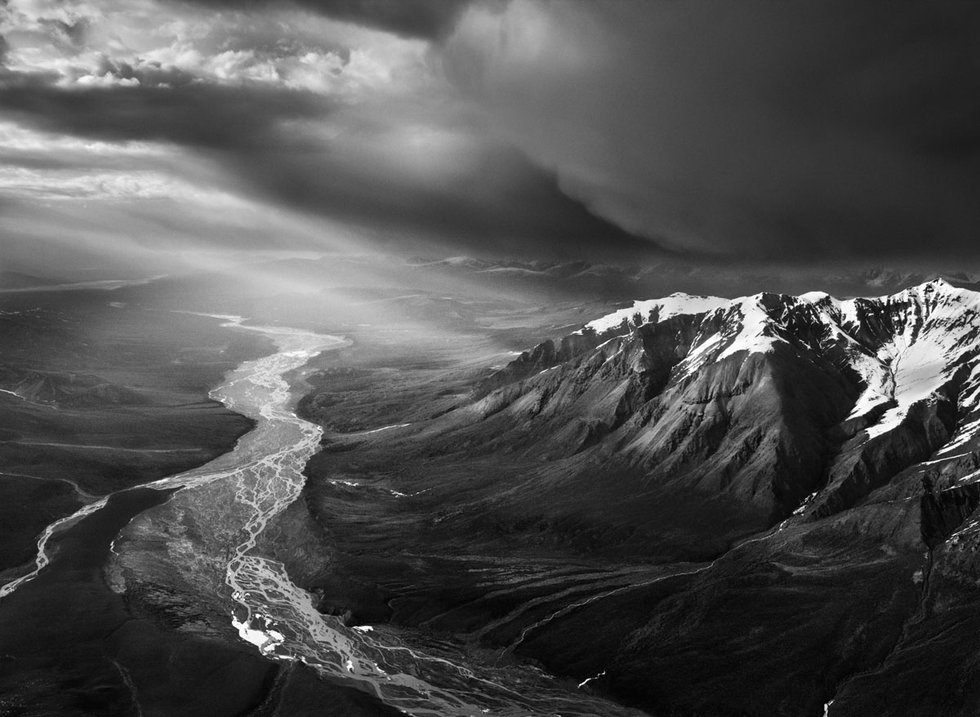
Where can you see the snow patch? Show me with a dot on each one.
(587, 680)
(931, 340)
(348, 483)
(385, 428)
(265, 638)
(815, 297)
(753, 336)
(805, 503)
(677, 304)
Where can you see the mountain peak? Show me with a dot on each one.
(932, 296)
(903, 347)
(906, 368)
(933, 286)
(654, 310)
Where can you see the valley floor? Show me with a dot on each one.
(450, 550)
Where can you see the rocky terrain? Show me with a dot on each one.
(699, 506)
(689, 506)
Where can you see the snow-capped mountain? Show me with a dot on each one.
(771, 504)
(784, 404)
(904, 347)
(816, 460)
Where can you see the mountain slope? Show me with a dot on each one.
(771, 399)
(695, 505)
(853, 425)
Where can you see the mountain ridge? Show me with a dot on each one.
(775, 498)
(904, 366)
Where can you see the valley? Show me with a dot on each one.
(489, 358)
(733, 496)
(623, 519)
(98, 398)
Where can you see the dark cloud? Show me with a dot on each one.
(780, 130)
(414, 18)
(428, 19)
(504, 205)
(190, 113)
(769, 130)
(494, 201)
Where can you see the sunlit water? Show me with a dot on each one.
(258, 480)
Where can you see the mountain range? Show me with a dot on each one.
(789, 404)
(694, 506)
(822, 453)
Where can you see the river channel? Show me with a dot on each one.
(256, 481)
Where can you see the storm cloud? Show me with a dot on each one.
(376, 139)
(777, 129)
(405, 181)
(429, 19)
(759, 130)
(192, 114)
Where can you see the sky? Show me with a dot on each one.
(149, 133)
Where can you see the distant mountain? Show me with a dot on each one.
(17, 280)
(612, 281)
(12, 281)
(68, 389)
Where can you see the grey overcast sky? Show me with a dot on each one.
(792, 132)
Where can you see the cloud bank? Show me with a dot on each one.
(845, 128)
(604, 129)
